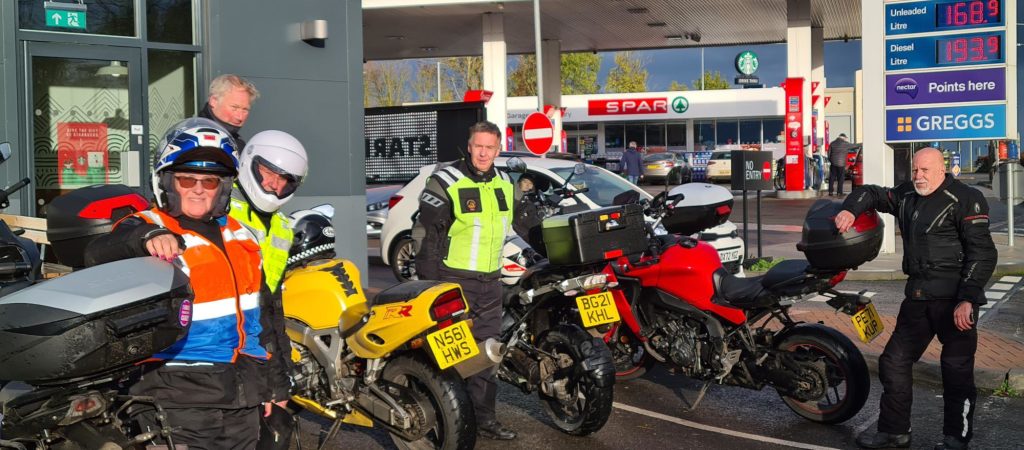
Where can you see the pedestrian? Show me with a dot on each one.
(837, 155)
(948, 256)
(210, 383)
(231, 98)
(631, 163)
(466, 211)
(271, 168)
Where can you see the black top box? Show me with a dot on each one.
(74, 219)
(593, 236)
(827, 249)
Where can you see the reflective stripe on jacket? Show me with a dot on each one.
(274, 244)
(226, 309)
(482, 218)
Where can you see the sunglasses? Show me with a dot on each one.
(190, 182)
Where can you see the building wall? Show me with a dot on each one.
(312, 93)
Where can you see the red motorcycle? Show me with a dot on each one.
(681, 308)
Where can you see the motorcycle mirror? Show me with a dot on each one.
(5, 152)
(515, 164)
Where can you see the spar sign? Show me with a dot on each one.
(538, 133)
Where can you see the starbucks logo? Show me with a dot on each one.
(680, 104)
(746, 63)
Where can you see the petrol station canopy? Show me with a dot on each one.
(408, 29)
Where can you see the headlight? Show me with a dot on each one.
(376, 206)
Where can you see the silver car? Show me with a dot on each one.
(671, 166)
(377, 199)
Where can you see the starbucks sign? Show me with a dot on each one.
(746, 63)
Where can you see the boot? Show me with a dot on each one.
(951, 443)
(872, 439)
(495, 430)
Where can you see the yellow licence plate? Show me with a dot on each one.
(597, 309)
(653, 166)
(867, 323)
(452, 345)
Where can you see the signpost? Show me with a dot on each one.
(752, 171)
(538, 133)
(65, 15)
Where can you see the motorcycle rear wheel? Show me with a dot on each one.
(455, 419)
(630, 357)
(846, 385)
(591, 389)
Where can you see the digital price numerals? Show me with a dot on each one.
(968, 13)
(972, 49)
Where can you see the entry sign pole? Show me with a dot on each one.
(538, 133)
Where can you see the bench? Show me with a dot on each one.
(35, 230)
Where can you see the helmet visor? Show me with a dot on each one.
(273, 180)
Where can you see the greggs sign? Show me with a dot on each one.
(625, 106)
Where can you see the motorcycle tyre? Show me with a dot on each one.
(840, 349)
(581, 346)
(397, 251)
(448, 395)
(632, 371)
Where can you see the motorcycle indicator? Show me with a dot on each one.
(597, 309)
(452, 345)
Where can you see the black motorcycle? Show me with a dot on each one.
(69, 345)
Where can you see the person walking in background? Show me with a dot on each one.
(231, 98)
(948, 256)
(837, 155)
(631, 163)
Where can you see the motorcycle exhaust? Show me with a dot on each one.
(491, 353)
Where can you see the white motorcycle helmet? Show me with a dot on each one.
(278, 152)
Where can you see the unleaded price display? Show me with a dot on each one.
(968, 13)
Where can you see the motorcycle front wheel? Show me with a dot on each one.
(834, 372)
(579, 401)
(454, 419)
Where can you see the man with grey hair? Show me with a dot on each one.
(230, 100)
(948, 256)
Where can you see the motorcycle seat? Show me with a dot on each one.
(743, 293)
(402, 292)
(790, 271)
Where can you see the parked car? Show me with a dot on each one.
(855, 166)
(720, 166)
(602, 188)
(377, 208)
(675, 167)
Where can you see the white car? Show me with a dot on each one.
(602, 188)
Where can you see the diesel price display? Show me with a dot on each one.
(960, 49)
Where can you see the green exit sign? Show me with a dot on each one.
(65, 18)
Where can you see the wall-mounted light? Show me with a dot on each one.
(314, 32)
(115, 69)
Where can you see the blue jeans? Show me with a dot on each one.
(632, 178)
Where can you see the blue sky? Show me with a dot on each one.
(842, 59)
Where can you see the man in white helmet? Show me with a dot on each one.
(270, 168)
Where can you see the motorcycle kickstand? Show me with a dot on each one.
(691, 405)
(330, 434)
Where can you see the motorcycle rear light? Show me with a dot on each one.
(838, 278)
(610, 254)
(449, 304)
(723, 210)
(394, 201)
(104, 209)
(83, 407)
(445, 324)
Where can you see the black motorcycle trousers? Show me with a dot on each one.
(918, 322)
(836, 179)
(484, 297)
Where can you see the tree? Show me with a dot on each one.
(425, 86)
(578, 70)
(677, 86)
(712, 81)
(461, 74)
(522, 80)
(385, 83)
(628, 74)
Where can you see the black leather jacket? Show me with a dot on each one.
(947, 249)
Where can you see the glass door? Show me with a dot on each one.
(85, 104)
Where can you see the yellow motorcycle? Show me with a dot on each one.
(384, 361)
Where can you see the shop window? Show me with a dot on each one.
(109, 17)
(750, 132)
(170, 21)
(774, 131)
(705, 135)
(656, 135)
(635, 133)
(676, 136)
(614, 136)
(172, 91)
(726, 132)
(587, 126)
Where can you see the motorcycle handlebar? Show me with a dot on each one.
(12, 189)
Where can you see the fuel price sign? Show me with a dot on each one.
(942, 15)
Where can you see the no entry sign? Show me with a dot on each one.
(538, 133)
